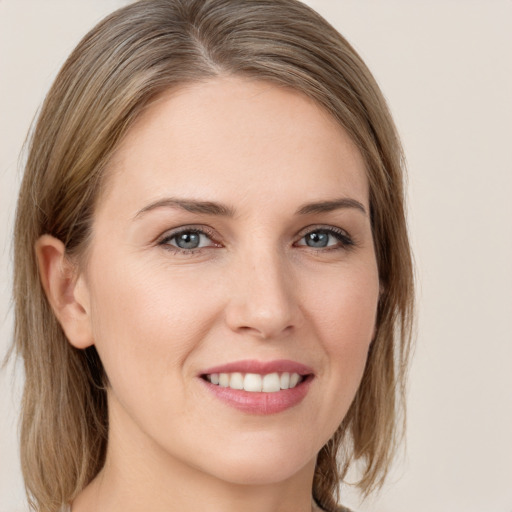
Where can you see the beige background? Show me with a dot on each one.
(446, 69)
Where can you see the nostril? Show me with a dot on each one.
(268, 331)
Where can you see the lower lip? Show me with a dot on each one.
(261, 403)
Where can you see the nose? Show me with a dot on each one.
(263, 297)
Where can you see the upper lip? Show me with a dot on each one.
(261, 367)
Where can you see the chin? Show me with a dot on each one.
(259, 474)
(260, 466)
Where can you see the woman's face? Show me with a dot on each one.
(232, 246)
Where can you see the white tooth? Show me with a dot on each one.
(224, 380)
(252, 382)
(285, 380)
(236, 381)
(214, 378)
(271, 383)
(294, 379)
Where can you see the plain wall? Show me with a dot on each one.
(446, 68)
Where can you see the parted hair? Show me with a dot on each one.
(119, 67)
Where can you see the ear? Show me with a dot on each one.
(66, 290)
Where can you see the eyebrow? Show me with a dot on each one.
(219, 209)
(190, 205)
(329, 206)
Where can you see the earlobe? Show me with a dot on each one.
(65, 290)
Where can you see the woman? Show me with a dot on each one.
(211, 237)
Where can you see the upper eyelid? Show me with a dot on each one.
(170, 233)
(208, 230)
(322, 227)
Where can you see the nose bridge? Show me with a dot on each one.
(263, 299)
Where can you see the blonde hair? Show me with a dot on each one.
(128, 59)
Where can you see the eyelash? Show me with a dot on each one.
(346, 242)
(164, 241)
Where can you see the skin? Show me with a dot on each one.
(255, 290)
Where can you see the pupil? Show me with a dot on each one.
(188, 240)
(317, 239)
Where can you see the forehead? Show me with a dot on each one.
(233, 139)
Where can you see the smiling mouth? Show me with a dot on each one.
(259, 387)
(254, 382)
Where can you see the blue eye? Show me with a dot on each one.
(317, 239)
(326, 238)
(188, 240)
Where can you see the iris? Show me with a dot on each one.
(188, 240)
(317, 239)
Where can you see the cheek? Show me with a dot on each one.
(345, 315)
(146, 323)
(344, 306)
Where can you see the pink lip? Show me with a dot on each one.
(261, 367)
(261, 403)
